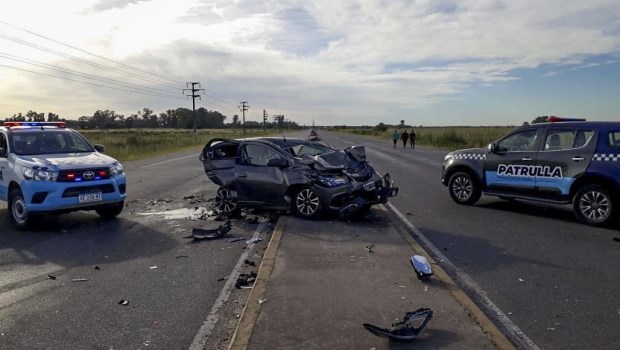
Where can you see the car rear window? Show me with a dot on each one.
(614, 139)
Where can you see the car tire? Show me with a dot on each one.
(110, 211)
(225, 202)
(307, 203)
(594, 205)
(463, 188)
(18, 214)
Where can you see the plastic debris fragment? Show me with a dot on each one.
(202, 234)
(123, 302)
(79, 280)
(254, 240)
(406, 330)
(421, 267)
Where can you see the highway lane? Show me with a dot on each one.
(558, 280)
(167, 304)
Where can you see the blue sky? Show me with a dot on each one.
(429, 62)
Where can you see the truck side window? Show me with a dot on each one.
(3, 146)
(521, 141)
(614, 139)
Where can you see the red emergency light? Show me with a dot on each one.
(560, 119)
(35, 124)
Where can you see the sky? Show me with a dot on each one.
(430, 62)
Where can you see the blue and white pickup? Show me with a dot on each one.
(49, 168)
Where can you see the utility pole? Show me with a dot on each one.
(193, 96)
(264, 119)
(244, 106)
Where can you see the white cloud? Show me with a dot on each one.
(347, 59)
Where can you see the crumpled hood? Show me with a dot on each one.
(346, 159)
(66, 161)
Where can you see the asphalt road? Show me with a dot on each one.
(558, 280)
(167, 304)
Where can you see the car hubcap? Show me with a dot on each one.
(224, 200)
(307, 202)
(462, 188)
(594, 206)
(20, 214)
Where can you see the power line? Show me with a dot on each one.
(244, 106)
(194, 90)
(87, 52)
(85, 82)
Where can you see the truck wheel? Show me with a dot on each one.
(110, 211)
(463, 189)
(307, 203)
(594, 205)
(18, 214)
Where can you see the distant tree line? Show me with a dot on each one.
(180, 118)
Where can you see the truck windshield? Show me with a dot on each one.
(48, 142)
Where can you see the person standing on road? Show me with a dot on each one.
(404, 137)
(395, 137)
(412, 138)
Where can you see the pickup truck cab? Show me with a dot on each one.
(564, 161)
(49, 168)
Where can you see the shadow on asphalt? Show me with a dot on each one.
(78, 239)
(429, 339)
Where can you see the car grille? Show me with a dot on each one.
(78, 175)
(76, 191)
(364, 175)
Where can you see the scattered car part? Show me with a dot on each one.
(233, 240)
(421, 266)
(405, 330)
(123, 302)
(248, 262)
(369, 248)
(261, 301)
(79, 280)
(204, 234)
(97, 267)
(617, 239)
(245, 279)
(152, 267)
(254, 240)
(51, 277)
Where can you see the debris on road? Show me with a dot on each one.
(521, 280)
(245, 279)
(261, 301)
(97, 267)
(248, 262)
(222, 278)
(254, 240)
(408, 213)
(51, 277)
(421, 267)
(79, 280)
(405, 330)
(180, 256)
(233, 240)
(123, 302)
(369, 248)
(253, 220)
(617, 239)
(152, 267)
(203, 234)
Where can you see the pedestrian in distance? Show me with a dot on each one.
(395, 137)
(412, 138)
(404, 137)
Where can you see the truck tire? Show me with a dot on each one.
(594, 205)
(110, 211)
(463, 188)
(18, 214)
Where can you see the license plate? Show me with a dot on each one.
(90, 197)
(369, 186)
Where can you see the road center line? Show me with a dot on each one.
(513, 332)
(207, 326)
(170, 160)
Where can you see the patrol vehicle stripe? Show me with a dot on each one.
(606, 157)
(470, 156)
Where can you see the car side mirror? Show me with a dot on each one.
(491, 147)
(99, 148)
(278, 162)
(3, 152)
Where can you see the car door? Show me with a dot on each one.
(4, 167)
(257, 182)
(565, 155)
(508, 164)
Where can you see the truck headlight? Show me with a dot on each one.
(116, 169)
(39, 174)
(331, 181)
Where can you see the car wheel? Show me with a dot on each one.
(111, 211)
(225, 202)
(307, 203)
(594, 205)
(463, 189)
(18, 214)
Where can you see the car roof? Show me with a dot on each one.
(282, 142)
(29, 129)
(578, 124)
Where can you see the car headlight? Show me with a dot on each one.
(39, 174)
(116, 169)
(447, 157)
(331, 181)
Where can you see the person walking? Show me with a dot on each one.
(395, 137)
(404, 137)
(412, 138)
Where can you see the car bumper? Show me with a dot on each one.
(357, 195)
(47, 196)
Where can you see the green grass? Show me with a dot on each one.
(137, 144)
(448, 138)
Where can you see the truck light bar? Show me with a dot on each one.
(36, 124)
(560, 119)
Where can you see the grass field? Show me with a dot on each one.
(448, 138)
(142, 143)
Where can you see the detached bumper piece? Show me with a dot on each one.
(202, 234)
(407, 329)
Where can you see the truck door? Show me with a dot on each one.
(4, 167)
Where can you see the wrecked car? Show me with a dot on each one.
(302, 176)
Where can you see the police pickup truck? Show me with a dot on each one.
(49, 168)
(563, 161)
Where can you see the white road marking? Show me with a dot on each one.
(514, 333)
(171, 160)
(207, 326)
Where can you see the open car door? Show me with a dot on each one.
(218, 159)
